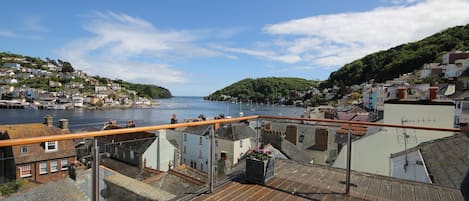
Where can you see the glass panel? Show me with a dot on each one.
(178, 165)
(54, 166)
(64, 164)
(43, 167)
(25, 170)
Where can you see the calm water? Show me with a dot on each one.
(183, 107)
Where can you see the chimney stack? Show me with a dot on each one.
(63, 124)
(433, 91)
(48, 120)
(401, 93)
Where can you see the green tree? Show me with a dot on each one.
(405, 58)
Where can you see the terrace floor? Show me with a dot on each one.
(295, 181)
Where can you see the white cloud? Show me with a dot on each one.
(335, 39)
(265, 54)
(7, 34)
(130, 48)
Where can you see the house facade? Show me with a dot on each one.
(39, 162)
(127, 148)
(372, 153)
(231, 144)
(163, 152)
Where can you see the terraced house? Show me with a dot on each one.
(39, 162)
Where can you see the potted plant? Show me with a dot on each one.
(259, 166)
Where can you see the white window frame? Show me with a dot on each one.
(41, 167)
(54, 168)
(52, 143)
(26, 168)
(62, 164)
(24, 149)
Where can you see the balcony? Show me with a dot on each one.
(121, 168)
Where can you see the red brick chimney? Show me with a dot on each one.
(433, 91)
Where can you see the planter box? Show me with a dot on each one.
(259, 171)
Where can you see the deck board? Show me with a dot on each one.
(295, 181)
(408, 193)
(373, 189)
(396, 191)
(421, 194)
(385, 190)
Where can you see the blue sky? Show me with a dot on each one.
(196, 47)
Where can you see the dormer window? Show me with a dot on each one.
(51, 146)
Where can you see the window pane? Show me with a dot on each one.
(51, 146)
(54, 166)
(43, 168)
(25, 171)
(24, 149)
(64, 164)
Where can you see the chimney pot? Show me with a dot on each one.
(63, 124)
(402, 92)
(48, 120)
(433, 91)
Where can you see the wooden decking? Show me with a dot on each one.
(294, 181)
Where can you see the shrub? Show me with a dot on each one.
(10, 187)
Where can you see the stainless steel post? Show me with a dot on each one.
(349, 158)
(211, 169)
(258, 127)
(95, 170)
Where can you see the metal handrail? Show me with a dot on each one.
(32, 140)
(364, 123)
(216, 123)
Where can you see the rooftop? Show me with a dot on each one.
(446, 159)
(296, 181)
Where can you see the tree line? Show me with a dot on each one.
(405, 58)
(265, 90)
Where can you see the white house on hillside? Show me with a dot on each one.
(372, 153)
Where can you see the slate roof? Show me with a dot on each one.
(138, 142)
(61, 190)
(446, 159)
(66, 148)
(235, 132)
(228, 131)
(198, 130)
